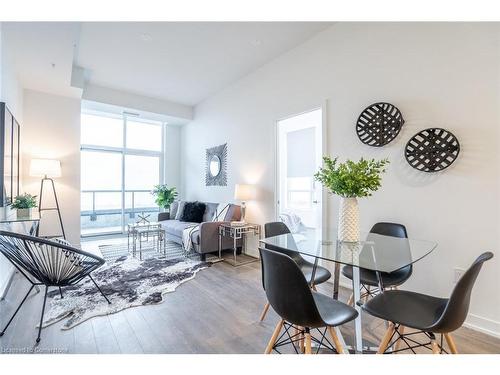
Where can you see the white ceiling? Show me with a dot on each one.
(182, 62)
(175, 61)
(42, 54)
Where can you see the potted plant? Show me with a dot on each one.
(350, 180)
(165, 196)
(23, 204)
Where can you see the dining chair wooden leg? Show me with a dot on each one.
(296, 334)
(336, 341)
(435, 347)
(350, 300)
(401, 331)
(276, 332)
(451, 343)
(264, 312)
(302, 340)
(386, 339)
(308, 342)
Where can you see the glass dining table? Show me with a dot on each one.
(375, 252)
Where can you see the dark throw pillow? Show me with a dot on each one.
(193, 212)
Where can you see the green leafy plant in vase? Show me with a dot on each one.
(350, 180)
(23, 204)
(164, 196)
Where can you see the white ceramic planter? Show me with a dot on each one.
(348, 230)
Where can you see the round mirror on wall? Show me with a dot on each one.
(215, 164)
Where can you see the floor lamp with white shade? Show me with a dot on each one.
(47, 169)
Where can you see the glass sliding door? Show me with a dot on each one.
(121, 161)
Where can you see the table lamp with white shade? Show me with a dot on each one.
(47, 169)
(244, 193)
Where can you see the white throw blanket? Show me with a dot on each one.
(187, 241)
(292, 221)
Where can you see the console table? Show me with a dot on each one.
(23, 225)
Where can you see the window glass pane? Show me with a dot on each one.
(102, 181)
(299, 183)
(101, 170)
(101, 210)
(299, 199)
(140, 203)
(110, 201)
(101, 131)
(141, 172)
(132, 217)
(86, 201)
(100, 222)
(143, 136)
(139, 199)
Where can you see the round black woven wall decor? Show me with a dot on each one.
(379, 124)
(432, 150)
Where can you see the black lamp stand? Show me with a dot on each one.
(56, 208)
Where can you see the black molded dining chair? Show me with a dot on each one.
(426, 314)
(320, 276)
(368, 278)
(52, 263)
(298, 306)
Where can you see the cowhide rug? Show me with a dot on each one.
(127, 282)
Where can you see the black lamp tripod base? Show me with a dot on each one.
(56, 208)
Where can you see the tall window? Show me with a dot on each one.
(121, 161)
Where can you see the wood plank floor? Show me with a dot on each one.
(217, 312)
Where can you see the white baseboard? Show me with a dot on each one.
(484, 325)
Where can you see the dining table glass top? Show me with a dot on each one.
(374, 252)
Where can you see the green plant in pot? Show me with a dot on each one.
(164, 196)
(23, 204)
(350, 180)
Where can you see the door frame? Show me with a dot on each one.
(324, 125)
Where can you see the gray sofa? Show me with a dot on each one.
(206, 239)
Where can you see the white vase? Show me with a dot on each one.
(348, 220)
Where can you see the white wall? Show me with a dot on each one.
(51, 130)
(443, 75)
(173, 156)
(11, 93)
